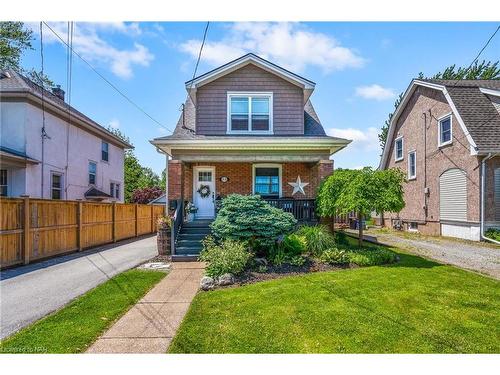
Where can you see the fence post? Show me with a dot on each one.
(26, 229)
(136, 219)
(79, 220)
(113, 222)
(152, 219)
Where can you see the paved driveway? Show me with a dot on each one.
(475, 256)
(30, 292)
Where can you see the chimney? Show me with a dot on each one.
(57, 91)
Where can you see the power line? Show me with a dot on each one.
(107, 81)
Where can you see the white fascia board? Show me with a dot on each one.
(490, 91)
(402, 105)
(245, 60)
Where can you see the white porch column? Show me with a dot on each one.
(166, 185)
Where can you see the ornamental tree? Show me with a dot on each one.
(362, 191)
(146, 195)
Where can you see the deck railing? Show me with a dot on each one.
(301, 209)
(177, 221)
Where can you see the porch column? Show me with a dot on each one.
(167, 211)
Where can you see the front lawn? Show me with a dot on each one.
(413, 306)
(73, 328)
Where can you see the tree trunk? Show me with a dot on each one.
(333, 223)
(360, 229)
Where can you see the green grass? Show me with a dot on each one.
(413, 306)
(77, 325)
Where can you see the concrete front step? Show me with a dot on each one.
(184, 258)
(193, 230)
(188, 243)
(188, 250)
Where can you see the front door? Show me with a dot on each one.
(204, 192)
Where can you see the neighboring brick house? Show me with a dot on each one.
(248, 127)
(445, 136)
(72, 157)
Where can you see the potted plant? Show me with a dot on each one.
(164, 223)
(191, 209)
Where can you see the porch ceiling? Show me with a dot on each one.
(249, 156)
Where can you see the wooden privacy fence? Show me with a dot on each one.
(33, 229)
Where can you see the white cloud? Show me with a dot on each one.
(362, 140)
(290, 45)
(375, 92)
(89, 43)
(115, 124)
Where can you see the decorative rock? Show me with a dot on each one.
(156, 266)
(207, 283)
(226, 279)
(261, 261)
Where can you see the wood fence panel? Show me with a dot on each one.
(11, 232)
(97, 224)
(57, 227)
(144, 220)
(54, 227)
(125, 221)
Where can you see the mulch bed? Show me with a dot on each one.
(276, 272)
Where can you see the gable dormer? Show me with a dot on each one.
(250, 96)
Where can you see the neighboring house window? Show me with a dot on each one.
(92, 172)
(398, 149)
(413, 226)
(114, 190)
(105, 151)
(250, 113)
(445, 131)
(56, 186)
(412, 165)
(3, 183)
(267, 181)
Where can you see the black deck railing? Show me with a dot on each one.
(177, 221)
(301, 209)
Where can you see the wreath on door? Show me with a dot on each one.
(204, 191)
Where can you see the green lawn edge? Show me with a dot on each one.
(73, 328)
(413, 306)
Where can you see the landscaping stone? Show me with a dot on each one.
(156, 266)
(261, 261)
(226, 279)
(207, 283)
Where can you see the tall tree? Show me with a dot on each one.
(14, 40)
(479, 70)
(362, 191)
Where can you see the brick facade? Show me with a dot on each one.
(418, 125)
(240, 178)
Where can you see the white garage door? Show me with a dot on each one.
(453, 195)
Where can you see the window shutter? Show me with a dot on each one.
(453, 195)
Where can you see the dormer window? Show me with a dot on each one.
(249, 113)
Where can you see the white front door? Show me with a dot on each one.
(204, 182)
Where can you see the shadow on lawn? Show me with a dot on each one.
(413, 261)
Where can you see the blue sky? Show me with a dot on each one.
(358, 68)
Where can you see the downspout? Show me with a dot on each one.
(426, 192)
(483, 170)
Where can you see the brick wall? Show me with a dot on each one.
(240, 178)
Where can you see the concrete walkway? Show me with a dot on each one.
(150, 325)
(30, 292)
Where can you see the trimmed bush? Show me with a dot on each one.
(294, 244)
(493, 233)
(229, 256)
(371, 256)
(318, 238)
(334, 256)
(250, 218)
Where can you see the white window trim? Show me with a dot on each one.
(410, 177)
(8, 182)
(396, 149)
(268, 165)
(104, 161)
(269, 95)
(112, 193)
(440, 119)
(412, 229)
(52, 174)
(88, 172)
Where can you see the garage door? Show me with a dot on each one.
(453, 195)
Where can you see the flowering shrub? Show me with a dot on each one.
(164, 222)
(229, 256)
(146, 195)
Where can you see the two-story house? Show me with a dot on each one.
(248, 127)
(445, 136)
(50, 150)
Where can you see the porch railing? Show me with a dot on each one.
(301, 209)
(177, 221)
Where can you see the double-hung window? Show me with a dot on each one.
(3, 183)
(114, 190)
(56, 192)
(398, 149)
(267, 181)
(250, 113)
(445, 131)
(92, 173)
(105, 151)
(412, 165)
